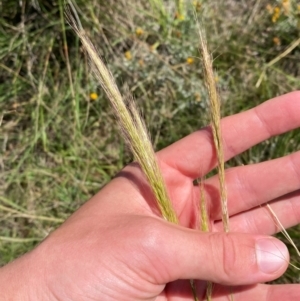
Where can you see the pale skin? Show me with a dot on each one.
(117, 246)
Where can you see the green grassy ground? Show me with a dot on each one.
(59, 146)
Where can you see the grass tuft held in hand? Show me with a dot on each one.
(215, 119)
(133, 128)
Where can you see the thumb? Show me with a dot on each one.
(224, 258)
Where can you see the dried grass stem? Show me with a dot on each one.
(215, 116)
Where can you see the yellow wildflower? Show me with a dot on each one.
(128, 55)
(276, 14)
(197, 97)
(139, 31)
(190, 60)
(298, 7)
(179, 16)
(276, 41)
(276, 10)
(197, 5)
(93, 96)
(275, 18)
(141, 63)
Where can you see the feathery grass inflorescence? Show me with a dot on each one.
(215, 116)
(133, 128)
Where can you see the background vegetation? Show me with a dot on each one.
(58, 137)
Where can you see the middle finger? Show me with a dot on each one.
(253, 185)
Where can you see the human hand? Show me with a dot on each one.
(116, 246)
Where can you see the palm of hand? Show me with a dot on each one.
(116, 247)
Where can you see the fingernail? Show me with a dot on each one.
(271, 255)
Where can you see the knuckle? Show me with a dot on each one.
(226, 258)
(229, 257)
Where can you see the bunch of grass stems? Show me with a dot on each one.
(137, 138)
(130, 122)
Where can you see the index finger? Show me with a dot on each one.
(194, 155)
